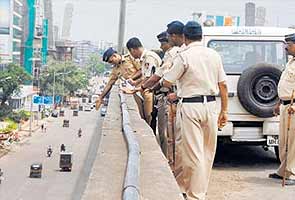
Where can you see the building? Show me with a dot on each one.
(11, 30)
(64, 50)
(67, 21)
(250, 14)
(83, 49)
(218, 19)
(260, 16)
(49, 17)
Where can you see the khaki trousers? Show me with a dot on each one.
(287, 159)
(199, 137)
(162, 123)
(139, 102)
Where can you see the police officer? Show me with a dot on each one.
(200, 75)
(125, 67)
(285, 89)
(150, 61)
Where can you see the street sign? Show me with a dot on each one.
(57, 99)
(38, 99)
(48, 100)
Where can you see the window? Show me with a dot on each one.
(239, 55)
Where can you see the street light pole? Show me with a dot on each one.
(53, 91)
(122, 26)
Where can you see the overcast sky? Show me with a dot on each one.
(98, 19)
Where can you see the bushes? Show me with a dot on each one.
(11, 126)
(19, 116)
(5, 110)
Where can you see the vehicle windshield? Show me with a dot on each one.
(239, 55)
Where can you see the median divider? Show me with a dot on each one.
(106, 181)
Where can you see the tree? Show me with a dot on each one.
(10, 80)
(68, 78)
(94, 65)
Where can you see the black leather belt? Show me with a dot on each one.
(199, 99)
(286, 102)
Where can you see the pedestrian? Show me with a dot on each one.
(201, 77)
(286, 87)
(150, 61)
(42, 127)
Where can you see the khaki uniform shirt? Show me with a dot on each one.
(198, 70)
(150, 61)
(126, 69)
(287, 81)
(167, 61)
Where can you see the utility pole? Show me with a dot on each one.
(53, 90)
(122, 26)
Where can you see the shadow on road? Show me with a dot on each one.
(244, 157)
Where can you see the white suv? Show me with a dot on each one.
(253, 59)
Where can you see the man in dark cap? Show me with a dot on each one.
(124, 67)
(286, 88)
(201, 77)
(150, 61)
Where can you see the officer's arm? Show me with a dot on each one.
(109, 86)
(137, 75)
(152, 81)
(224, 96)
(175, 73)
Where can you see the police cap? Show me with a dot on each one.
(163, 37)
(175, 27)
(192, 29)
(107, 54)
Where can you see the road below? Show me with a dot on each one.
(54, 185)
(241, 173)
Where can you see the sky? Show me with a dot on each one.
(98, 20)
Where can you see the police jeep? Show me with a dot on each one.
(253, 59)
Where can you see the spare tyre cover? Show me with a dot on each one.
(257, 89)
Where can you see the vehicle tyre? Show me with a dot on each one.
(277, 152)
(257, 89)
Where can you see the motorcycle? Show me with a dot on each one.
(49, 152)
(80, 133)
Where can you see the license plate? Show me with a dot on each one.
(273, 140)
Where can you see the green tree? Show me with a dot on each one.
(68, 78)
(10, 80)
(94, 65)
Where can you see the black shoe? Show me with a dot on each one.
(275, 176)
(290, 182)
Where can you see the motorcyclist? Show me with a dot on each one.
(49, 151)
(62, 148)
(79, 132)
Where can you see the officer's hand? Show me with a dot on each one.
(98, 103)
(276, 110)
(222, 119)
(172, 97)
(291, 110)
(127, 90)
(131, 81)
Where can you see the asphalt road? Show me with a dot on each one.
(241, 173)
(54, 185)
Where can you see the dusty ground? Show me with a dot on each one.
(241, 173)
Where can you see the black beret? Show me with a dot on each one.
(133, 43)
(107, 54)
(192, 29)
(175, 27)
(290, 37)
(163, 37)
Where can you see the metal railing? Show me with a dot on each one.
(131, 190)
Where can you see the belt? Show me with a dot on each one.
(286, 102)
(199, 99)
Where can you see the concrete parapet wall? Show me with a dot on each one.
(107, 177)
